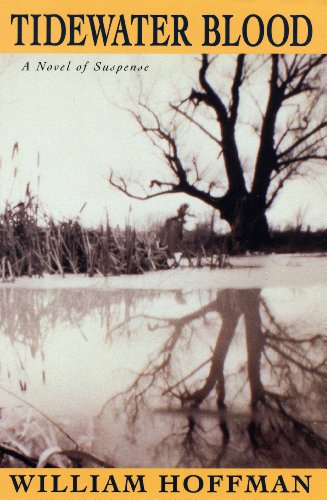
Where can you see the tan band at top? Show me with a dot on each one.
(163, 26)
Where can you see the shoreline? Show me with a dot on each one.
(258, 271)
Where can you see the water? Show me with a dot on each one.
(215, 378)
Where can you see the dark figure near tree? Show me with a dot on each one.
(172, 236)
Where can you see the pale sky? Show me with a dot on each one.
(77, 125)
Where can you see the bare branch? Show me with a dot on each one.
(279, 186)
(209, 96)
(196, 123)
(297, 79)
(122, 187)
(238, 80)
(263, 167)
(300, 140)
(301, 159)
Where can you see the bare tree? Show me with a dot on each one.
(289, 126)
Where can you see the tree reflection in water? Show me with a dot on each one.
(227, 384)
(285, 374)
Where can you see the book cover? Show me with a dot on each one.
(162, 249)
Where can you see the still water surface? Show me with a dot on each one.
(215, 378)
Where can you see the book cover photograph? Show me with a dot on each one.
(162, 251)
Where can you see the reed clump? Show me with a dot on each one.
(32, 244)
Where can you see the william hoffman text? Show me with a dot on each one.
(166, 483)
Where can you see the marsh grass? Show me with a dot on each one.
(32, 244)
(31, 440)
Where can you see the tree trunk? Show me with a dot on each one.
(248, 222)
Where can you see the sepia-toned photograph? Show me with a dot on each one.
(163, 260)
